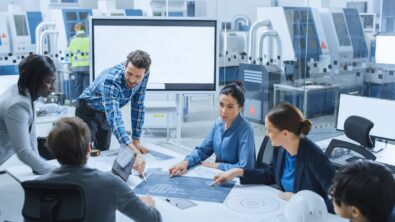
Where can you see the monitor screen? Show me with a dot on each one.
(341, 29)
(379, 111)
(183, 51)
(20, 25)
(385, 48)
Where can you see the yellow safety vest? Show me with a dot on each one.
(79, 52)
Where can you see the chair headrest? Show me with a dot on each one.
(358, 129)
(53, 201)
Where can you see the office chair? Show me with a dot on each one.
(358, 129)
(50, 201)
(265, 154)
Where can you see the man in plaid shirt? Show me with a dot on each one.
(100, 104)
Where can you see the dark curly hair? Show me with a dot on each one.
(32, 71)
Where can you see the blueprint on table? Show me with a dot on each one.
(193, 188)
(160, 156)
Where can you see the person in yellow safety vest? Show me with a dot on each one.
(79, 58)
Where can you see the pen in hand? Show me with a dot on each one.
(145, 179)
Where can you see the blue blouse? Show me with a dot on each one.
(287, 179)
(234, 147)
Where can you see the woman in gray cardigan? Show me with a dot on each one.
(17, 114)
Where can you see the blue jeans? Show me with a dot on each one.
(81, 82)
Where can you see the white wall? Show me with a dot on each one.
(225, 10)
(24, 5)
(124, 4)
(293, 3)
(143, 5)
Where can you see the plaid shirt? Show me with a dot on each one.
(109, 93)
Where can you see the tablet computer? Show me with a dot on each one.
(123, 163)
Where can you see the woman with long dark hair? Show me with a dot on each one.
(17, 114)
(231, 138)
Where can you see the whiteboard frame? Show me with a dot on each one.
(188, 89)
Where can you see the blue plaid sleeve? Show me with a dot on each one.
(110, 99)
(137, 109)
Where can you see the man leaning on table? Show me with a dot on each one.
(100, 104)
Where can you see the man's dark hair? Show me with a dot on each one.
(236, 90)
(368, 186)
(32, 71)
(139, 59)
(68, 141)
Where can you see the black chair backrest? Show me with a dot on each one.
(358, 129)
(53, 201)
(265, 154)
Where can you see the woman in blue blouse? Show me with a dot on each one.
(231, 138)
(298, 163)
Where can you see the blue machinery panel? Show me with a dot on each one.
(356, 33)
(191, 9)
(9, 70)
(258, 85)
(34, 18)
(301, 26)
(228, 74)
(134, 12)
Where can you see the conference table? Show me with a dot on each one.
(243, 203)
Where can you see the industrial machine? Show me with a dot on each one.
(233, 46)
(17, 40)
(380, 81)
(258, 74)
(302, 59)
(349, 53)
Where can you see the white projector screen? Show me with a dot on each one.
(385, 48)
(183, 52)
(379, 111)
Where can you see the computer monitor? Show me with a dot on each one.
(183, 51)
(379, 111)
(385, 48)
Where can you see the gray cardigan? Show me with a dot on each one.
(16, 117)
(104, 194)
